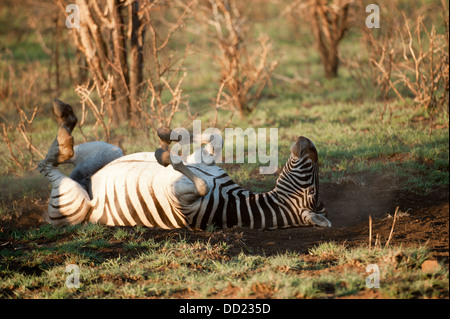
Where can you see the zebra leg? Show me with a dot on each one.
(164, 158)
(69, 202)
(61, 149)
(207, 154)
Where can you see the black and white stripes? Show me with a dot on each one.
(292, 203)
(133, 191)
(69, 202)
(136, 190)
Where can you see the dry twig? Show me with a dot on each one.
(392, 228)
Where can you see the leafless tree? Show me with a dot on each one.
(245, 65)
(329, 21)
(329, 24)
(111, 37)
(15, 148)
(162, 94)
(409, 59)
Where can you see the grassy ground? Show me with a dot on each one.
(368, 166)
(131, 263)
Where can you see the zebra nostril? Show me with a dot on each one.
(323, 213)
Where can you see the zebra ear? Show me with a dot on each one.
(295, 149)
(65, 114)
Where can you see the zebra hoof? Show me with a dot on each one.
(164, 134)
(317, 220)
(65, 114)
(162, 157)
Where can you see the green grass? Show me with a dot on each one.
(125, 263)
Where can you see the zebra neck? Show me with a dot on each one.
(244, 208)
(269, 211)
(261, 210)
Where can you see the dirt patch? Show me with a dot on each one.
(352, 199)
(423, 226)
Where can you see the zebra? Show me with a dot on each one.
(157, 189)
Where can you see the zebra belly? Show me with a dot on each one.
(133, 190)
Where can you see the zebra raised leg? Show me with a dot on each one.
(164, 158)
(62, 147)
(206, 154)
(70, 199)
(66, 193)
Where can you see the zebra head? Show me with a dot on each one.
(298, 184)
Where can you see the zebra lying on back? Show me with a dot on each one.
(152, 190)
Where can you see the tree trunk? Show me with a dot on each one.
(331, 64)
(56, 43)
(137, 61)
(82, 67)
(102, 38)
(329, 24)
(86, 46)
(118, 65)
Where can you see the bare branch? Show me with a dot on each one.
(8, 143)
